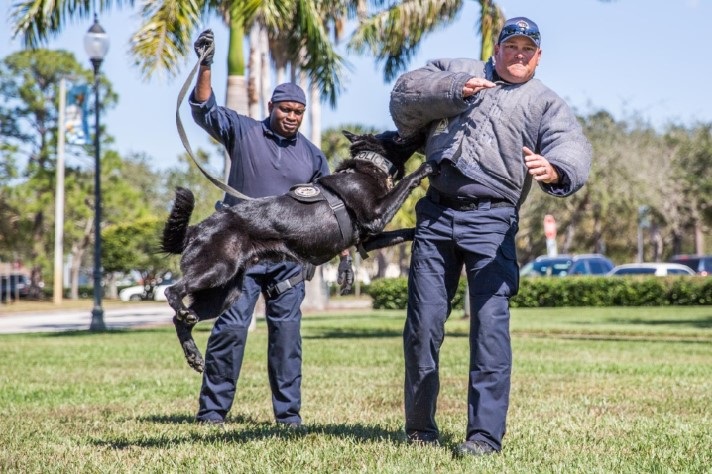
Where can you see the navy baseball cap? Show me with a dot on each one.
(288, 92)
(520, 26)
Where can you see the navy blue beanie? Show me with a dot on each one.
(288, 92)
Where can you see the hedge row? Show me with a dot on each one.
(392, 293)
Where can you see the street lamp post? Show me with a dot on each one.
(96, 44)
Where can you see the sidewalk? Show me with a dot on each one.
(77, 316)
(58, 319)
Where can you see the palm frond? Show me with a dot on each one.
(393, 35)
(37, 21)
(491, 22)
(165, 35)
(302, 30)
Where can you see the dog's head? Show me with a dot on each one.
(388, 145)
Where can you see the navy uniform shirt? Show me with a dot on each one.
(263, 163)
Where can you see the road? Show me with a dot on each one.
(79, 319)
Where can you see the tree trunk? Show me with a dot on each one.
(77, 254)
(315, 114)
(265, 84)
(699, 238)
(236, 92)
(253, 70)
(381, 263)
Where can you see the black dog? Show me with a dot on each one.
(216, 252)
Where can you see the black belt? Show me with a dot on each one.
(466, 204)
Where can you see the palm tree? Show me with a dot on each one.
(393, 35)
(170, 26)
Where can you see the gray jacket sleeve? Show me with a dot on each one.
(563, 143)
(427, 94)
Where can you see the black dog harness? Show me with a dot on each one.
(309, 193)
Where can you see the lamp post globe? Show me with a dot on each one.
(96, 44)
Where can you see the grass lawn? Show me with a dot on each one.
(594, 390)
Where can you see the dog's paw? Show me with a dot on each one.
(187, 316)
(198, 364)
(193, 356)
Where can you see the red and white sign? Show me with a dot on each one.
(549, 226)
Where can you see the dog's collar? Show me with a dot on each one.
(377, 160)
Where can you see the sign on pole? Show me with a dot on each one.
(550, 234)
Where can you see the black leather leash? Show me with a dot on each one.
(183, 138)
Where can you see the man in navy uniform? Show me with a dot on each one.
(494, 130)
(267, 158)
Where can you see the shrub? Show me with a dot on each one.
(392, 293)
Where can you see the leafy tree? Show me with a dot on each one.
(170, 26)
(29, 85)
(187, 175)
(692, 160)
(28, 105)
(133, 246)
(632, 167)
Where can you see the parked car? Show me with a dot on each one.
(700, 264)
(145, 292)
(657, 269)
(13, 286)
(563, 265)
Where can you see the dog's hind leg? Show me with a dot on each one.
(184, 331)
(174, 295)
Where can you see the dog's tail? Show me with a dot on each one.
(176, 228)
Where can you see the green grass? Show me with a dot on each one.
(594, 390)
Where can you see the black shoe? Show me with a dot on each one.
(474, 448)
(423, 439)
(292, 426)
(211, 421)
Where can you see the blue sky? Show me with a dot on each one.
(630, 57)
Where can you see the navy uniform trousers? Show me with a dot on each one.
(226, 345)
(482, 240)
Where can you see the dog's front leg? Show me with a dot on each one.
(394, 200)
(388, 239)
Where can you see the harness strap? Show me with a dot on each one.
(342, 216)
(284, 285)
(183, 138)
(361, 251)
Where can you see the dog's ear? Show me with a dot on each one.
(364, 143)
(351, 137)
(399, 149)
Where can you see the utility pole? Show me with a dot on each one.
(59, 199)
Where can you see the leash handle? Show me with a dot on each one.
(184, 138)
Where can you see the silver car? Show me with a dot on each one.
(657, 269)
